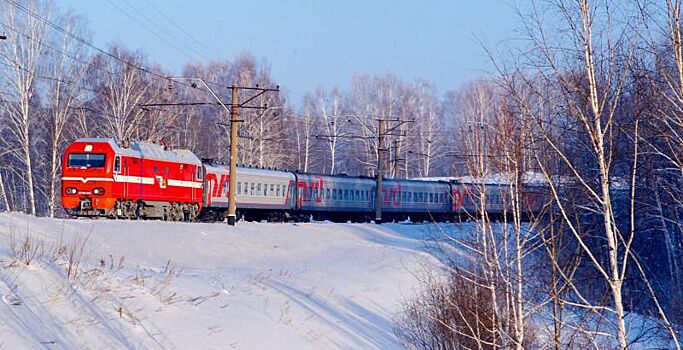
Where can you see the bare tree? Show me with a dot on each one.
(586, 58)
(67, 68)
(23, 55)
(304, 134)
(428, 127)
(121, 91)
(333, 123)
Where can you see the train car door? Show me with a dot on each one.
(209, 181)
(121, 169)
(186, 172)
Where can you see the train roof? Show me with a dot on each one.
(149, 151)
(529, 178)
(248, 170)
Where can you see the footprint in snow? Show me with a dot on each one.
(11, 299)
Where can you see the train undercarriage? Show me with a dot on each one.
(189, 212)
(128, 209)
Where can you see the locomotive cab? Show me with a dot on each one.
(87, 178)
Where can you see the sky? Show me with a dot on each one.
(311, 43)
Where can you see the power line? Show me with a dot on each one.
(163, 30)
(85, 42)
(180, 28)
(43, 43)
(141, 24)
(43, 77)
(82, 103)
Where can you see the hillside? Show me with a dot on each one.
(150, 284)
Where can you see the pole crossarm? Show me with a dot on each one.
(143, 105)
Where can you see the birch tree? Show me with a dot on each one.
(333, 124)
(67, 66)
(120, 93)
(587, 58)
(23, 55)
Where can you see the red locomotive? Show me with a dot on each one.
(104, 178)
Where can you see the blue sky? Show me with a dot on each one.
(312, 43)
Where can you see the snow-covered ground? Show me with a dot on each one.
(151, 284)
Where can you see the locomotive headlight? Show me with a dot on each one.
(98, 191)
(70, 190)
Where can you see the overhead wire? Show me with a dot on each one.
(44, 44)
(91, 45)
(182, 30)
(146, 20)
(143, 25)
(42, 77)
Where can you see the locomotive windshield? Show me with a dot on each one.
(86, 160)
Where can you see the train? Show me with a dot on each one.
(139, 180)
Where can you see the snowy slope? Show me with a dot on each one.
(151, 284)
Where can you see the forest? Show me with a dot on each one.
(587, 99)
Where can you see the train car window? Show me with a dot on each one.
(117, 164)
(251, 190)
(277, 190)
(239, 187)
(284, 191)
(199, 173)
(265, 190)
(156, 169)
(86, 160)
(334, 193)
(225, 188)
(431, 198)
(315, 193)
(258, 189)
(166, 171)
(346, 195)
(357, 196)
(440, 197)
(327, 193)
(272, 189)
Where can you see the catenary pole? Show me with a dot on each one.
(232, 199)
(378, 194)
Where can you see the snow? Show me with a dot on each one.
(529, 178)
(151, 284)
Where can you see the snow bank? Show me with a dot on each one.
(150, 284)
